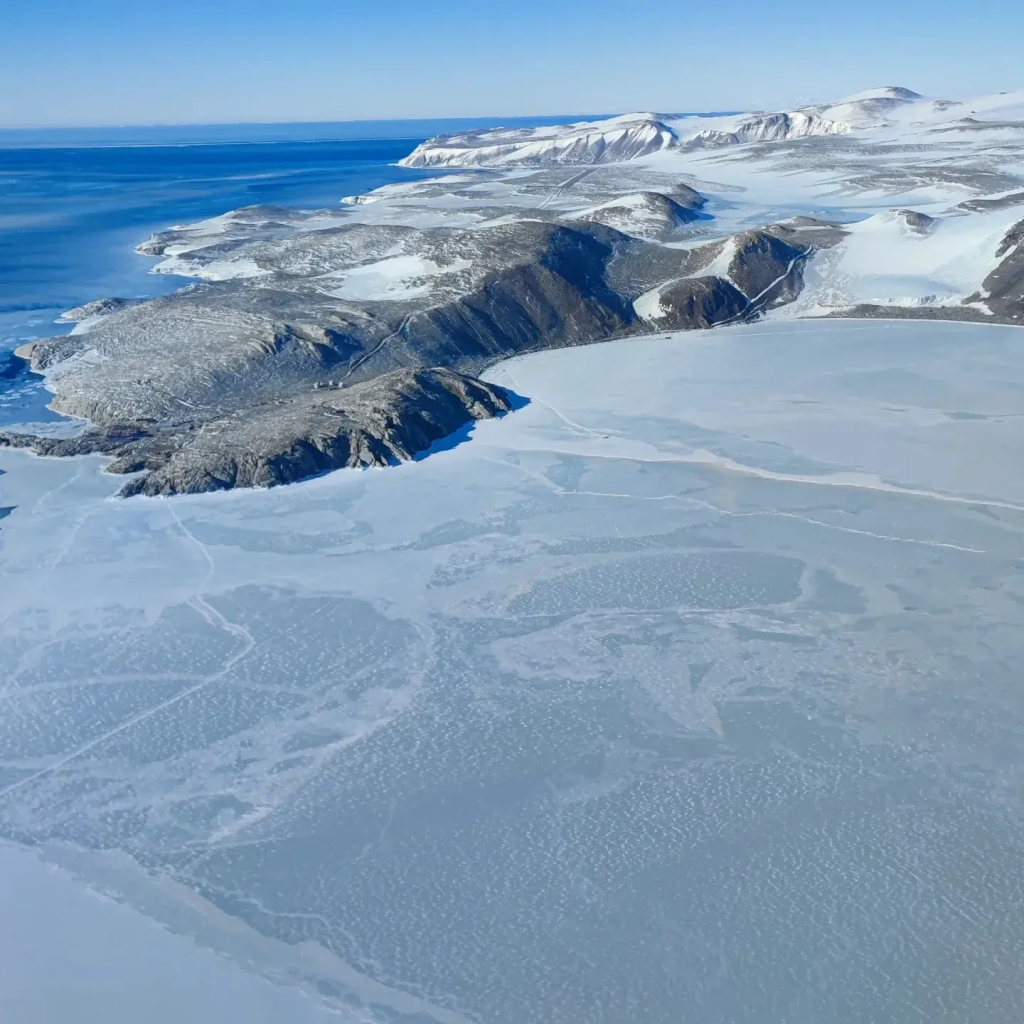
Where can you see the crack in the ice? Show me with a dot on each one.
(726, 465)
(37, 505)
(851, 529)
(214, 617)
(577, 428)
(564, 492)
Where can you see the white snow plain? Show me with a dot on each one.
(689, 688)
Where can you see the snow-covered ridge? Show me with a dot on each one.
(646, 214)
(771, 128)
(630, 136)
(620, 138)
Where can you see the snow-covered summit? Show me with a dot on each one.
(887, 92)
(645, 214)
(797, 124)
(868, 108)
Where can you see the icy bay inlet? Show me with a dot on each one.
(692, 683)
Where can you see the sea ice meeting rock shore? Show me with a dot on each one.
(884, 204)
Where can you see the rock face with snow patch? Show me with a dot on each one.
(766, 268)
(1003, 289)
(769, 128)
(645, 214)
(737, 280)
(917, 222)
(693, 303)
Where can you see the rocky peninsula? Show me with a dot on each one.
(312, 340)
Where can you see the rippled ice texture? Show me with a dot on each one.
(690, 691)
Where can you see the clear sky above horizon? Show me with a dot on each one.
(102, 62)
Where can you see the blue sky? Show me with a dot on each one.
(78, 62)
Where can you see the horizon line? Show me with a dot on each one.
(259, 123)
(353, 120)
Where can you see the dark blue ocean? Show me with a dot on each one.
(75, 202)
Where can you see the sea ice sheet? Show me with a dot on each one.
(67, 954)
(690, 691)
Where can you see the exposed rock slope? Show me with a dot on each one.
(390, 419)
(1003, 290)
(255, 381)
(737, 280)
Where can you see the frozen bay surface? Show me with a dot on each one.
(690, 690)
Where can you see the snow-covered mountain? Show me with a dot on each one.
(864, 110)
(641, 134)
(869, 107)
(769, 128)
(618, 138)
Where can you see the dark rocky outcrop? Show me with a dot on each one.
(115, 439)
(1003, 289)
(693, 303)
(919, 223)
(561, 299)
(1012, 239)
(390, 419)
(689, 197)
(742, 277)
(766, 268)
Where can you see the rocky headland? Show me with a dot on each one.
(313, 340)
